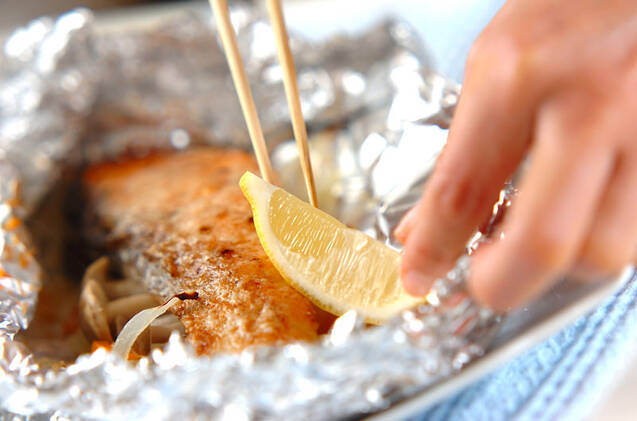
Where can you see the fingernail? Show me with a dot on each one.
(416, 283)
(484, 275)
(498, 281)
(401, 231)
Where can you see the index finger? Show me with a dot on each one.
(488, 138)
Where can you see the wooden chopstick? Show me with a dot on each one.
(292, 94)
(229, 41)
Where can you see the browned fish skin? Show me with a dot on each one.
(186, 212)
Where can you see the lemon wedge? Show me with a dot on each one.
(337, 268)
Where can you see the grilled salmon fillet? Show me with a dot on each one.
(180, 222)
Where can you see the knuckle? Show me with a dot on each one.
(477, 53)
(415, 249)
(487, 295)
(423, 251)
(426, 259)
(504, 56)
(462, 199)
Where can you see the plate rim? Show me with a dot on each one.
(497, 358)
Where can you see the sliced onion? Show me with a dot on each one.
(137, 324)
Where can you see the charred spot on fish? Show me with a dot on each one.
(204, 229)
(188, 295)
(251, 220)
(227, 252)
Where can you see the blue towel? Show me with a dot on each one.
(559, 379)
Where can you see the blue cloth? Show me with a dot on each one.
(559, 379)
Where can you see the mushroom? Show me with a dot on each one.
(98, 271)
(122, 288)
(166, 319)
(163, 326)
(107, 305)
(161, 334)
(119, 323)
(142, 343)
(131, 305)
(97, 314)
(93, 319)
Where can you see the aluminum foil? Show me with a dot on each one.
(377, 116)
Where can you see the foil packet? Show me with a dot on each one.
(378, 118)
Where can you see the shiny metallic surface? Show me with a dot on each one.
(378, 119)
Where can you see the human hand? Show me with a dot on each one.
(556, 79)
